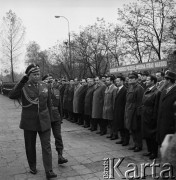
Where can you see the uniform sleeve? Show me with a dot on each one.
(15, 93)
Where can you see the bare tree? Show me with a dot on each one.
(12, 36)
(156, 23)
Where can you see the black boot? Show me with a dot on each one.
(50, 174)
(62, 160)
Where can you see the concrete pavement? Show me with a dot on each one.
(85, 151)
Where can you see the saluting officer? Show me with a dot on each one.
(35, 117)
(55, 116)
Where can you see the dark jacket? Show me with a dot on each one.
(133, 107)
(119, 108)
(55, 104)
(70, 98)
(88, 100)
(62, 89)
(109, 98)
(150, 103)
(166, 121)
(81, 98)
(98, 101)
(65, 98)
(34, 117)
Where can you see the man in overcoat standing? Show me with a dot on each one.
(80, 99)
(35, 117)
(108, 107)
(133, 111)
(75, 100)
(70, 100)
(119, 111)
(97, 107)
(150, 103)
(166, 121)
(88, 103)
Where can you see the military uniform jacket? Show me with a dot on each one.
(34, 117)
(109, 99)
(55, 104)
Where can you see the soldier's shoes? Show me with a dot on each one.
(125, 144)
(147, 154)
(110, 136)
(102, 133)
(119, 142)
(152, 156)
(62, 160)
(86, 126)
(33, 171)
(114, 138)
(50, 174)
(132, 148)
(137, 149)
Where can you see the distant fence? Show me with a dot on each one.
(6, 87)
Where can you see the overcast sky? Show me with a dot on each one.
(45, 29)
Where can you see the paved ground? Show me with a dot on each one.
(85, 151)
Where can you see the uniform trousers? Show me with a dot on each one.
(87, 120)
(137, 138)
(125, 135)
(30, 145)
(56, 129)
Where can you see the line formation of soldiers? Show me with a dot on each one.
(139, 105)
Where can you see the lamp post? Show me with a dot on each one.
(68, 38)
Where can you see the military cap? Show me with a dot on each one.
(170, 75)
(46, 76)
(133, 75)
(32, 68)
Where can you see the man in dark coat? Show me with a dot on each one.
(150, 103)
(35, 117)
(88, 103)
(55, 116)
(119, 111)
(70, 100)
(133, 111)
(166, 122)
(80, 99)
(65, 100)
(62, 89)
(97, 107)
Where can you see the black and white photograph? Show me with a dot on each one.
(87, 89)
